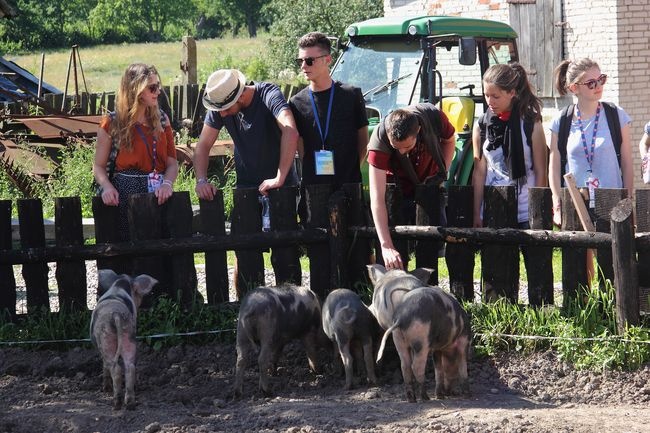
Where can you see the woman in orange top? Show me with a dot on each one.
(136, 142)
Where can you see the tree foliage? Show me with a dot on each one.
(293, 18)
(57, 23)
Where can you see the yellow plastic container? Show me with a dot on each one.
(460, 111)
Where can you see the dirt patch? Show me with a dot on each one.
(187, 389)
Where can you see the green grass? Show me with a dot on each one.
(103, 65)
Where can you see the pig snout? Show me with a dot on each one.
(429, 320)
(346, 321)
(270, 317)
(113, 329)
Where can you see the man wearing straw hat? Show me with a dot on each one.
(262, 128)
(264, 134)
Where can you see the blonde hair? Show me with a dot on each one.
(569, 71)
(127, 103)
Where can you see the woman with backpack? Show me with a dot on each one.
(510, 149)
(590, 139)
(135, 150)
(508, 140)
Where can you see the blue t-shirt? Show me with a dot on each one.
(256, 135)
(605, 166)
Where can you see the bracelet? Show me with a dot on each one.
(168, 182)
(201, 181)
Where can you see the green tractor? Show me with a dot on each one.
(439, 59)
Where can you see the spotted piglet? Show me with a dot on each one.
(427, 320)
(270, 317)
(347, 321)
(112, 331)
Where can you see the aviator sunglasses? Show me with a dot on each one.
(308, 60)
(591, 84)
(153, 88)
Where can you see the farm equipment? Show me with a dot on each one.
(398, 61)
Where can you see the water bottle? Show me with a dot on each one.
(266, 213)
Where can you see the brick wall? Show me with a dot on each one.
(485, 9)
(615, 33)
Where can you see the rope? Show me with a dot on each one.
(140, 337)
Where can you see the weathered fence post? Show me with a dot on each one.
(606, 200)
(188, 61)
(212, 219)
(427, 213)
(643, 225)
(246, 218)
(625, 267)
(360, 250)
(178, 222)
(7, 279)
(460, 257)
(338, 235)
(32, 235)
(539, 260)
(574, 260)
(316, 199)
(499, 263)
(107, 230)
(285, 260)
(70, 276)
(145, 223)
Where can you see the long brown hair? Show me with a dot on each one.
(127, 103)
(514, 77)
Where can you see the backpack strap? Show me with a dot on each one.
(112, 156)
(614, 123)
(566, 116)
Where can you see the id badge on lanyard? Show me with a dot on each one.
(592, 184)
(154, 181)
(324, 162)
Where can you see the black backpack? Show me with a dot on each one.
(611, 113)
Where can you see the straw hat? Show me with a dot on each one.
(223, 89)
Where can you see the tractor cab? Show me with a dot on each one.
(401, 61)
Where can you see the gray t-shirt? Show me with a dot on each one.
(605, 163)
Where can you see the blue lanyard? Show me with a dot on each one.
(589, 155)
(329, 112)
(146, 143)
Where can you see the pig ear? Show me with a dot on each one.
(106, 278)
(375, 272)
(422, 274)
(143, 284)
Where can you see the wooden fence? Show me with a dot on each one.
(337, 240)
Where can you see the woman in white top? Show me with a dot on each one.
(509, 143)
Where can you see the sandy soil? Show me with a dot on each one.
(188, 388)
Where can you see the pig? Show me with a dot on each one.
(113, 328)
(347, 320)
(390, 287)
(269, 317)
(427, 320)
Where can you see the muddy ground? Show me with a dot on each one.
(188, 389)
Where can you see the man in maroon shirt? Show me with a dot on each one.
(413, 145)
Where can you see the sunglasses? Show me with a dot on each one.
(153, 88)
(591, 84)
(308, 60)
